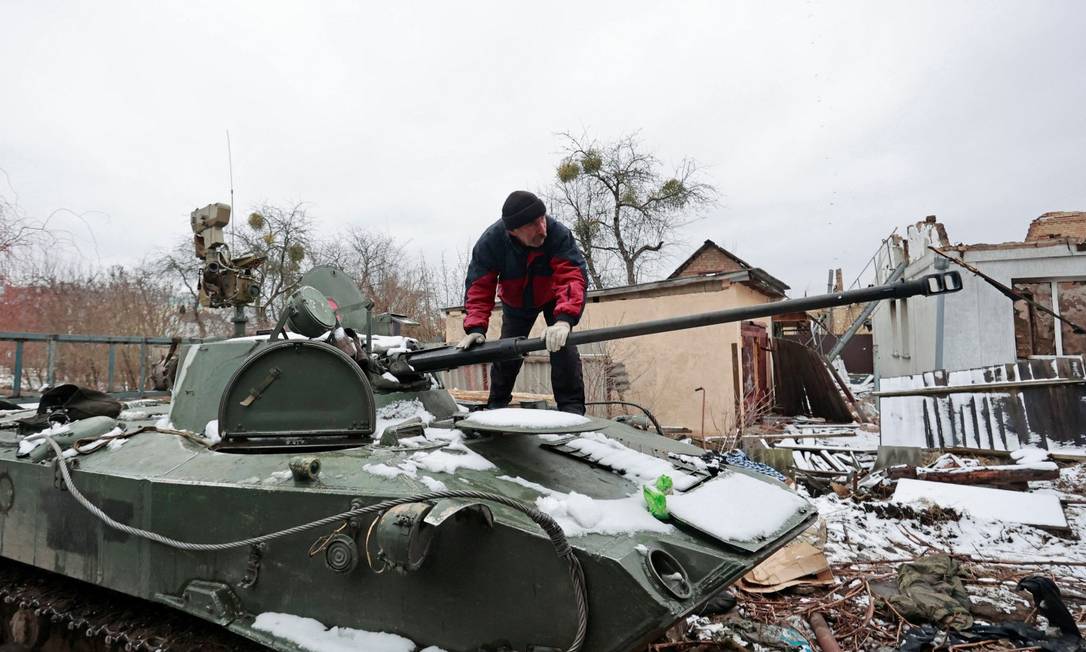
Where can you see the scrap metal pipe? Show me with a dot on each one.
(823, 633)
(449, 357)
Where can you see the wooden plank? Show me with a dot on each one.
(818, 463)
(989, 475)
(986, 387)
(833, 449)
(833, 461)
(799, 461)
(801, 435)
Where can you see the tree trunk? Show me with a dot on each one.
(591, 264)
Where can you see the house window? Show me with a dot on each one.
(1072, 303)
(1038, 333)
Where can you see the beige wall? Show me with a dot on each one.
(665, 369)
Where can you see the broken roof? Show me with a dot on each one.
(1058, 224)
(1053, 228)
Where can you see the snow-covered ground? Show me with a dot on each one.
(873, 530)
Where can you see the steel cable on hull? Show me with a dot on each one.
(549, 525)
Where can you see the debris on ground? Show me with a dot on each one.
(953, 550)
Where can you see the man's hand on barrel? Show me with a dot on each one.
(555, 336)
(470, 340)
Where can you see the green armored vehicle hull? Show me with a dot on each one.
(495, 585)
(289, 484)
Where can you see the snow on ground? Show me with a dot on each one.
(875, 531)
(310, 634)
(1029, 455)
(525, 418)
(722, 507)
(639, 467)
(1068, 450)
(983, 502)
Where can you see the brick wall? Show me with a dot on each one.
(711, 260)
(1063, 224)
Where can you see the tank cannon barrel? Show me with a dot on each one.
(449, 357)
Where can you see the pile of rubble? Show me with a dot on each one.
(914, 550)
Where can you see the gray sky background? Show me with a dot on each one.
(823, 125)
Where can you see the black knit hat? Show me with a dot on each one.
(520, 208)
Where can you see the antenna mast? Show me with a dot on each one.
(230, 164)
(239, 308)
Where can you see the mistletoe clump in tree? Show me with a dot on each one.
(623, 209)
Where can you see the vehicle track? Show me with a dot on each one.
(43, 611)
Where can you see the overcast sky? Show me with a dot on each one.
(823, 125)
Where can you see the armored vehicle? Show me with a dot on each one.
(317, 488)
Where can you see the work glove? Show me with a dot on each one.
(470, 340)
(555, 336)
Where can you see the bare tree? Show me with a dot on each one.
(452, 272)
(284, 237)
(66, 298)
(20, 235)
(386, 274)
(622, 208)
(12, 231)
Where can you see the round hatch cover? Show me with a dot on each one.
(310, 314)
(348, 303)
(528, 421)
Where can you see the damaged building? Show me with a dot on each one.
(998, 365)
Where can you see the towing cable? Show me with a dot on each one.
(545, 521)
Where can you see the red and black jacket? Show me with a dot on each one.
(526, 279)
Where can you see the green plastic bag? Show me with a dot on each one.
(656, 497)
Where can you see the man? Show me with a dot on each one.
(534, 265)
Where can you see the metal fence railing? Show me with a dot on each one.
(52, 342)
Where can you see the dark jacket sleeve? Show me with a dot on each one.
(570, 280)
(479, 288)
